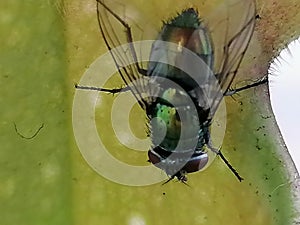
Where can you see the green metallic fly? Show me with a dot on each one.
(191, 67)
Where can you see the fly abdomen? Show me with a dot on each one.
(174, 122)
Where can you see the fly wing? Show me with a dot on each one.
(118, 38)
(231, 28)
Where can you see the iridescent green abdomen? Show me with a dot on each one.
(175, 122)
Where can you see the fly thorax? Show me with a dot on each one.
(195, 39)
(168, 56)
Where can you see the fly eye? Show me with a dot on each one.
(154, 158)
(196, 163)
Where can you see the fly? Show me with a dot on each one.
(183, 83)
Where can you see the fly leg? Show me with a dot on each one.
(256, 83)
(111, 91)
(219, 153)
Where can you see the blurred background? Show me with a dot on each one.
(47, 45)
(284, 95)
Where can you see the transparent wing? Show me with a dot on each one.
(118, 38)
(231, 27)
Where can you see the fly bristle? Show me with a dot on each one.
(188, 18)
(190, 10)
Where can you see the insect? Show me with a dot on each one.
(189, 71)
